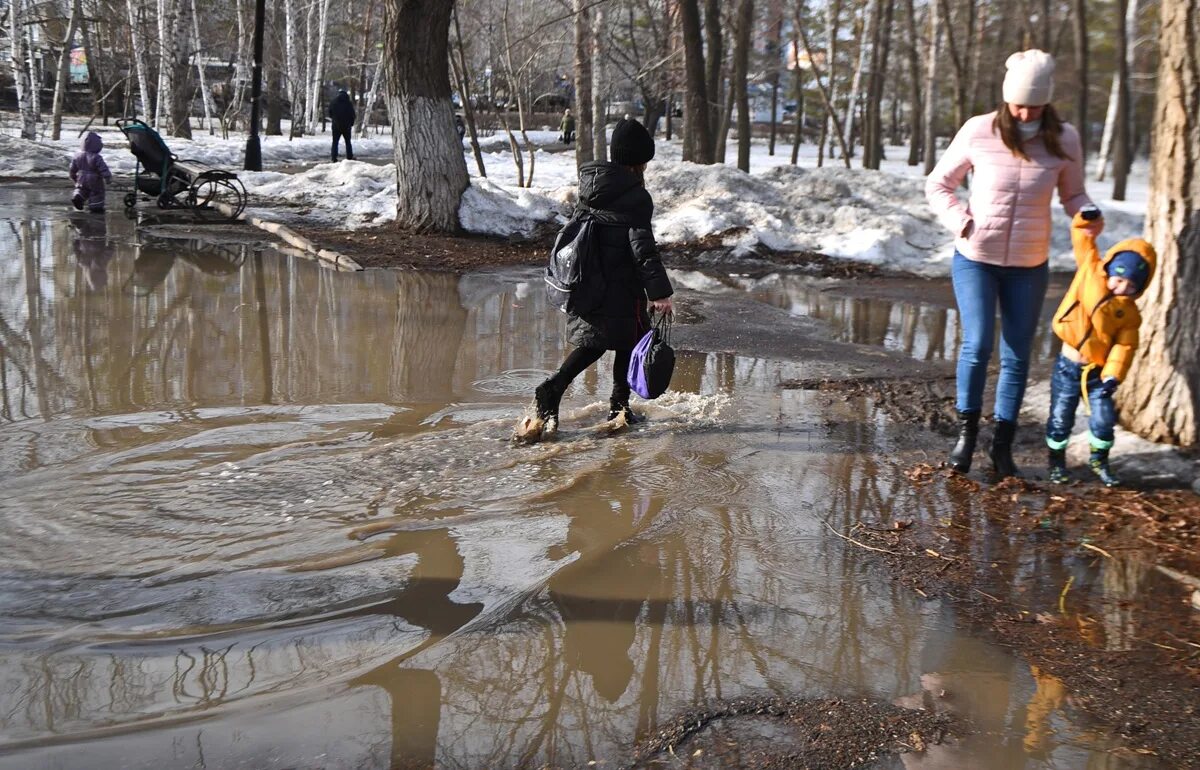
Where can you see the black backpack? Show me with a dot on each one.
(574, 280)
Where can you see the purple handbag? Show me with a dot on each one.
(653, 361)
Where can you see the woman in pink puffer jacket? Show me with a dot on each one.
(1019, 156)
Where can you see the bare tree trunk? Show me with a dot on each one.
(931, 76)
(880, 48)
(741, 73)
(583, 83)
(316, 95)
(830, 108)
(697, 130)
(865, 34)
(833, 13)
(715, 45)
(1122, 134)
(916, 112)
(431, 173)
(26, 94)
(139, 59)
(276, 77)
(463, 77)
(721, 139)
(1110, 117)
(1161, 398)
(292, 53)
(798, 135)
(64, 73)
(599, 87)
(1079, 26)
(165, 93)
(180, 106)
(95, 80)
(197, 50)
(775, 25)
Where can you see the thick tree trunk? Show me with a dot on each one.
(1122, 137)
(931, 76)
(599, 87)
(180, 105)
(697, 130)
(880, 49)
(26, 94)
(741, 73)
(1079, 27)
(431, 173)
(64, 72)
(1161, 398)
(583, 83)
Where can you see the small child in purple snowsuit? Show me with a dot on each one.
(89, 172)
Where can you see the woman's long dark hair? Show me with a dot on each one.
(1052, 129)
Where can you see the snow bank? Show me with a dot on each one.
(494, 209)
(22, 158)
(350, 194)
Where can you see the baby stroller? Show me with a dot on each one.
(174, 183)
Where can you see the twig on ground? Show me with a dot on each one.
(1100, 551)
(859, 543)
(1062, 597)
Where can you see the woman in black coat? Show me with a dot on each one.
(633, 274)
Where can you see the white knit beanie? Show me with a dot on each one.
(1030, 78)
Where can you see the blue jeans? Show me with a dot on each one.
(1019, 291)
(1065, 395)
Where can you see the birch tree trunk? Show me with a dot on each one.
(291, 54)
(25, 91)
(35, 73)
(833, 15)
(1161, 398)
(165, 93)
(180, 105)
(139, 58)
(583, 83)
(197, 50)
(741, 73)
(431, 173)
(599, 86)
(61, 80)
(364, 120)
(316, 95)
(276, 77)
(864, 45)
(931, 76)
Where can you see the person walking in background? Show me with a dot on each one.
(1098, 323)
(341, 119)
(89, 172)
(567, 126)
(1019, 154)
(631, 273)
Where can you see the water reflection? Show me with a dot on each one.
(260, 513)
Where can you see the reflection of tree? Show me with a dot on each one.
(425, 602)
(1122, 577)
(429, 327)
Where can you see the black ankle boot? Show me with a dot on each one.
(1001, 452)
(1058, 466)
(968, 431)
(547, 398)
(1098, 462)
(631, 417)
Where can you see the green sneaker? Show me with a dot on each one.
(1098, 462)
(1058, 467)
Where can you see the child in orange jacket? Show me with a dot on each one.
(1098, 324)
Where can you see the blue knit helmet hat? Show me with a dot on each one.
(1131, 266)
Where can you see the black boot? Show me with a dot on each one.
(1001, 452)
(547, 398)
(615, 407)
(968, 430)
(1058, 467)
(1098, 462)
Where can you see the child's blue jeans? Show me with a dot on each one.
(978, 288)
(1065, 395)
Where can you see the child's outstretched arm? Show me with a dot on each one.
(1083, 241)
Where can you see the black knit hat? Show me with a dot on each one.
(631, 144)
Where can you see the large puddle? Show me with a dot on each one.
(257, 513)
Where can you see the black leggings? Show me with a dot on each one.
(581, 358)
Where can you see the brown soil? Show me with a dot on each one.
(792, 733)
(391, 247)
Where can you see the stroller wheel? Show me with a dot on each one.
(130, 200)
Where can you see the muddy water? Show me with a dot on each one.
(257, 513)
